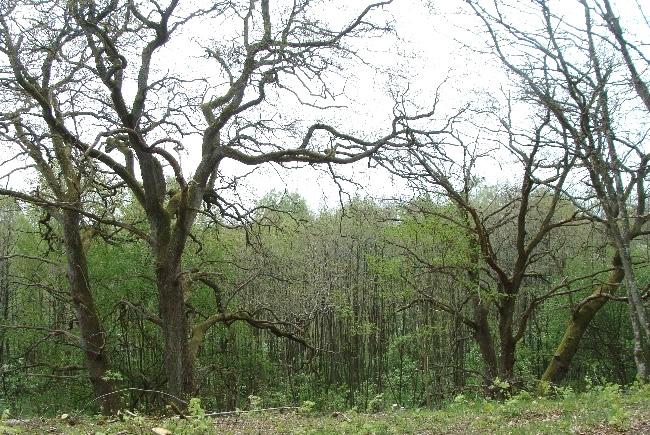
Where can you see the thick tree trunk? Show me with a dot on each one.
(483, 338)
(178, 362)
(508, 344)
(482, 332)
(93, 337)
(578, 324)
(168, 243)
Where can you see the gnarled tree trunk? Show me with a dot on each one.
(93, 336)
(483, 338)
(507, 340)
(178, 362)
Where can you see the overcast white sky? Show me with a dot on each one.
(430, 51)
(424, 54)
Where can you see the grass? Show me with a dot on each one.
(601, 410)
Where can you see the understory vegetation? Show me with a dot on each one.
(599, 410)
(362, 310)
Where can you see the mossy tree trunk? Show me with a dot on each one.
(559, 365)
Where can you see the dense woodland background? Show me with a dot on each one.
(377, 292)
(133, 274)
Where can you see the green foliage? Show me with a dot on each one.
(195, 409)
(377, 403)
(347, 281)
(603, 409)
(307, 407)
(501, 387)
(113, 375)
(254, 402)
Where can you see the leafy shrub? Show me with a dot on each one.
(377, 403)
(195, 409)
(255, 402)
(307, 407)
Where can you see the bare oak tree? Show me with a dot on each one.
(110, 86)
(577, 64)
(509, 229)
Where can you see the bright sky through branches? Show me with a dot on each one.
(436, 46)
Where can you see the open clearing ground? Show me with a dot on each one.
(602, 410)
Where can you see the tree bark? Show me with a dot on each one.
(638, 317)
(507, 340)
(559, 365)
(483, 338)
(175, 326)
(93, 336)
